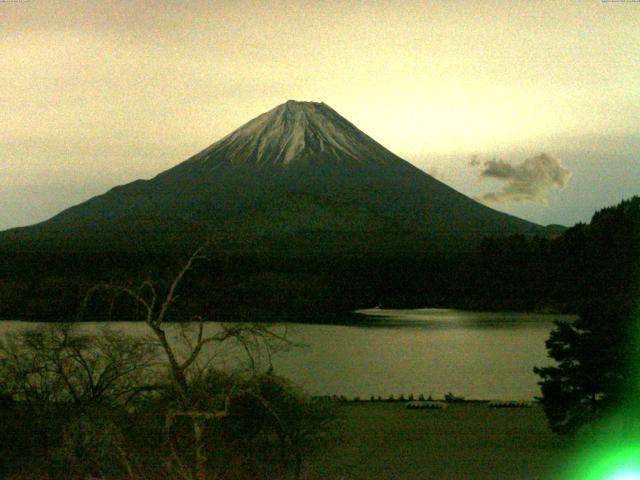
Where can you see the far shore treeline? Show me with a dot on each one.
(599, 260)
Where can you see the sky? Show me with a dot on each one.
(531, 107)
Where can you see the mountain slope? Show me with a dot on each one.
(297, 177)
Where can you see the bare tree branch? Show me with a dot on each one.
(170, 298)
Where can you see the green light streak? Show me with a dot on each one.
(625, 475)
(613, 463)
(612, 449)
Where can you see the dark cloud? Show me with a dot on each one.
(528, 181)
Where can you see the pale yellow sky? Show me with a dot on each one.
(96, 93)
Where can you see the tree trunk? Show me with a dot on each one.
(201, 459)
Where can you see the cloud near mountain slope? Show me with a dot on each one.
(528, 181)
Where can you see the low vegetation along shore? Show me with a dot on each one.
(387, 440)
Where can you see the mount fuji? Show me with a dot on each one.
(298, 178)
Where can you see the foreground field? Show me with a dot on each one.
(462, 441)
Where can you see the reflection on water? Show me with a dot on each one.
(487, 355)
(451, 319)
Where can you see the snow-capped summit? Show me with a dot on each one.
(294, 132)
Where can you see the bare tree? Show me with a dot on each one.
(58, 364)
(63, 365)
(63, 379)
(185, 360)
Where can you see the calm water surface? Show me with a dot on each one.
(483, 355)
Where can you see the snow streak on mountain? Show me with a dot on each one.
(295, 132)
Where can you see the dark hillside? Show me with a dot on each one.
(588, 262)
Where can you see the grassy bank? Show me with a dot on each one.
(462, 441)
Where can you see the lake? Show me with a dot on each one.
(478, 355)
